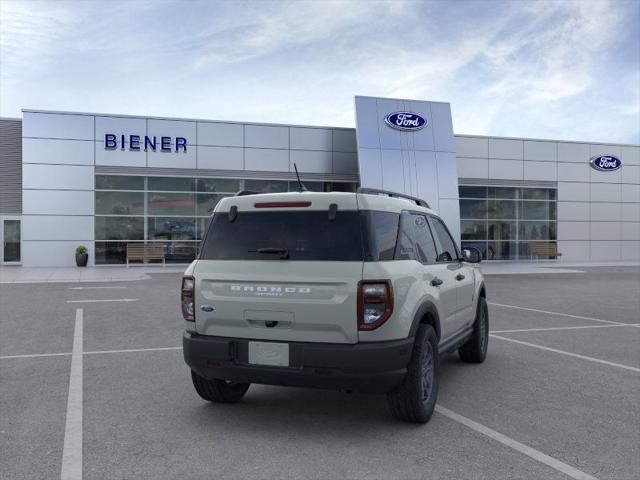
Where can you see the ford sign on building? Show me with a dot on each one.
(114, 182)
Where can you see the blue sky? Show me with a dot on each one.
(544, 69)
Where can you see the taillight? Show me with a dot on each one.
(187, 298)
(375, 303)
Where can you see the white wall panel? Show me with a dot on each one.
(57, 202)
(447, 175)
(370, 167)
(606, 211)
(630, 250)
(70, 152)
(574, 172)
(573, 152)
(506, 149)
(604, 251)
(53, 253)
(605, 177)
(605, 150)
(173, 128)
(54, 177)
(50, 227)
(344, 162)
(605, 192)
(472, 147)
(573, 211)
(344, 141)
(392, 171)
(473, 167)
(52, 125)
(630, 155)
(120, 126)
(310, 138)
(630, 230)
(442, 127)
(220, 134)
(506, 169)
(630, 193)
(540, 171)
(367, 124)
(390, 138)
(428, 186)
(573, 251)
(631, 174)
(605, 231)
(220, 158)
(573, 191)
(573, 230)
(261, 136)
(120, 157)
(173, 159)
(266, 159)
(631, 212)
(311, 161)
(546, 151)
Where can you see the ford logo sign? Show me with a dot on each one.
(405, 121)
(605, 163)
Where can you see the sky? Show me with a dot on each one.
(561, 69)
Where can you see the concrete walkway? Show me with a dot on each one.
(549, 266)
(16, 274)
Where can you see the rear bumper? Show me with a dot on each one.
(375, 367)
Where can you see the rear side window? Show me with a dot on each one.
(414, 240)
(447, 251)
(305, 235)
(379, 232)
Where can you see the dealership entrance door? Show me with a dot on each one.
(10, 234)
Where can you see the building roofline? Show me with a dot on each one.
(403, 99)
(181, 119)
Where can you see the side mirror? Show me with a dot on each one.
(471, 255)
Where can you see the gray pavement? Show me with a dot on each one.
(142, 418)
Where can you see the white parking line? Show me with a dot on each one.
(95, 288)
(96, 352)
(575, 355)
(555, 313)
(515, 445)
(72, 449)
(548, 329)
(105, 300)
(34, 355)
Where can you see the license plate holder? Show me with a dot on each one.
(269, 353)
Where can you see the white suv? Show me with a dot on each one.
(350, 291)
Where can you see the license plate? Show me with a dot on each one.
(269, 353)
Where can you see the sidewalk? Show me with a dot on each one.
(543, 267)
(11, 274)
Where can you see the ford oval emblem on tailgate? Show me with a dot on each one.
(207, 308)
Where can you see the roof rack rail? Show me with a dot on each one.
(376, 191)
(242, 193)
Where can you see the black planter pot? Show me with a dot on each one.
(82, 259)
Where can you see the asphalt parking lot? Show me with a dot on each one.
(558, 397)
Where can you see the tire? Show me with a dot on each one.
(219, 391)
(475, 349)
(415, 399)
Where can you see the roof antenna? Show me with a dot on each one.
(301, 187)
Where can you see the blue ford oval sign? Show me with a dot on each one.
(405, 121)
(605, 163)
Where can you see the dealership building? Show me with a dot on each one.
(109, 181)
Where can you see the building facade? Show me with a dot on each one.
(105, 181)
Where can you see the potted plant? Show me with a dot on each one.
(82, 256)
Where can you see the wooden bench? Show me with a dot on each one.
(545, 249)
(142, 252)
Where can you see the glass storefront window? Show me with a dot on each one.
(266, 186)
(119, 228)
(119, 203)
(206, 203)
(506, 221)
(168, 228)
(119, 182)
(177, 184)
(171, 204)
(230, 185)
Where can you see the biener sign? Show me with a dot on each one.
(139, 142)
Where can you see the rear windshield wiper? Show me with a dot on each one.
(283, 252)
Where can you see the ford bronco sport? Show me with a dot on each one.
(350, 291)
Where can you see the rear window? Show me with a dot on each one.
(305, 235)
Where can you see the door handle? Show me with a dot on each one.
(436, 282)
(460, 277)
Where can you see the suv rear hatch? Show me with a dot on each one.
(281, 267)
